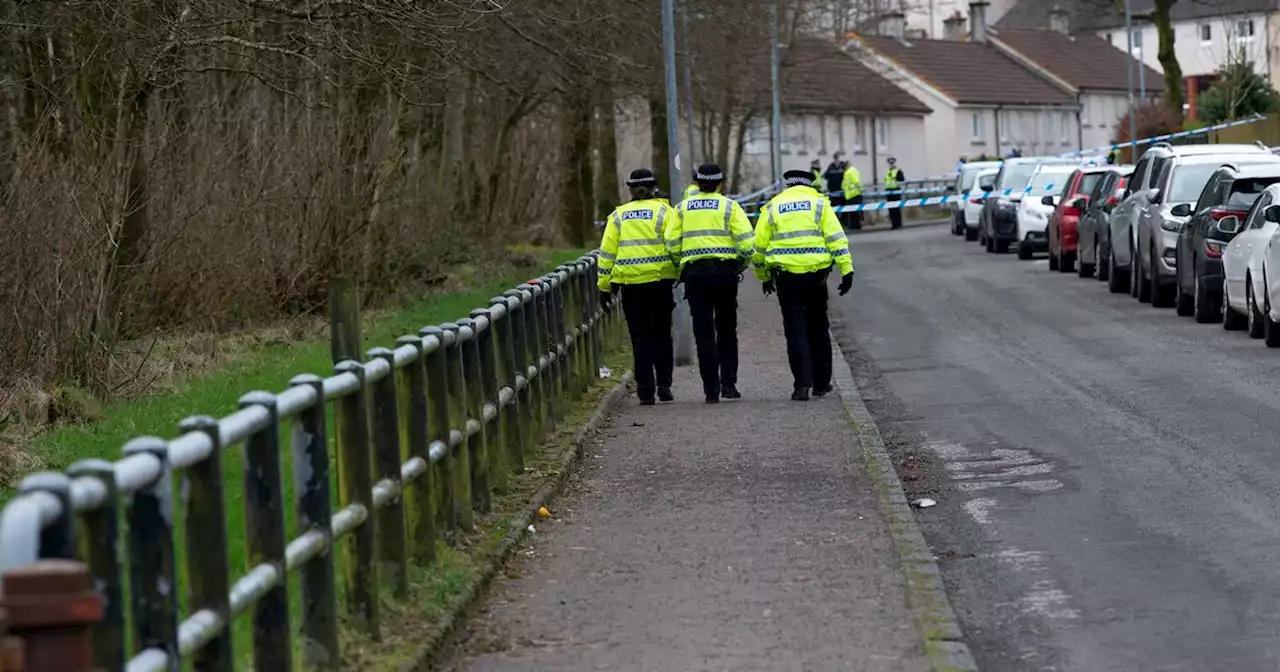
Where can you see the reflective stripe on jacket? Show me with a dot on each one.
(632, 251)
(798, 232)
(709, 226)
(851, 184)
(690, 191)
(891, 179)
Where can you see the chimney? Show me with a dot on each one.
(1059, 20)
(953, 27)
(978, 21)
(893, 24)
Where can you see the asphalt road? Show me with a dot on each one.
(1107, 473)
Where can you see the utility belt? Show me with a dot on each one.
(713, 270)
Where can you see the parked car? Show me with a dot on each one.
(1245, 265)
(1230, 192)
(1176, 189)
(1033, 213)
(1091, 238)
(1064, 223)
(1154, 171)
(998, 224)
(965, 181)
(975, 199)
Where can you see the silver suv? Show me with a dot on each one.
(1157, 203)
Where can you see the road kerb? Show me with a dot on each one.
(428, 655)
(944, 642)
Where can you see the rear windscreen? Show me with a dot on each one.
(1245, 191)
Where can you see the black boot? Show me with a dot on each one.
(822, 391)
(730, 391)
(645, 395)
(664, 394)
(801, 394)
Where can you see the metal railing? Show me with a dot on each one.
(423, 434)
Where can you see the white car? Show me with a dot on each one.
(965, 181)
(983, 181)
(1033, 210)
(1251, 269)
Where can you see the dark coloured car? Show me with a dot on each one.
(1231, 191)
(1092, 242)
(998, 225)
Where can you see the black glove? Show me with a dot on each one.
(846, 283)
(769, 287)
(606, 300)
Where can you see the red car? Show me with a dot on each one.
(1063, 229)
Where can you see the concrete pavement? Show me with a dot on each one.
(1106, 471)
(743, 536)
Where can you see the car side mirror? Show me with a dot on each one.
(1181, 210)
(1272, 213)
(1154, 195)
(1047, 200)
(1229, 225)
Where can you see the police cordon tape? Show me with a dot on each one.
(936, 200)
(1161, 138)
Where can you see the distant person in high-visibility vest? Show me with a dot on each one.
(711, 240)
(893, 181)
(819, 184)
(690, 191)
(634, 261)
(798, 242)
(851, 185)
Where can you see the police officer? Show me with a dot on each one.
(851, 185)
(690, 191)
(819, 183)
(798, 240)
(893, 180)
(635, 261)
(711, 240)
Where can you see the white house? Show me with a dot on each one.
(983, 101)
(1084, 65)
(1207, 35)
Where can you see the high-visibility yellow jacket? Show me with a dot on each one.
(798, 232)
(690, 191)
(851, 183)
(892, 179)
(709, 226)
(633, 251)
(819, 183)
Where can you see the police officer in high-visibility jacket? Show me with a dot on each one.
(893, 179)
(798, 240)
(690, 191)
(634, 260)
(711, 239)
(851, 185)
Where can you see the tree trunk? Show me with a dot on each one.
(737, 152)
(607, 148)
(1168, 58)
(724, 132)
(661, 156)
(575, 185)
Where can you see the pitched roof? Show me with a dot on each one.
(969, 72)
(1086, 15)
(818, 76)
(1085, 61)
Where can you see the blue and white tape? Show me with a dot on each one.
(939, 200)
(1161, 138)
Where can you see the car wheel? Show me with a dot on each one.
(1053, 261)
(1117, 280)
(1024, 251)
(1231, 320)
(1161, 297)
(1208, 305)
(991, 246)
(1002, 247)
(1270, 328)
(1142, 284)
(1104, 271)
(1185, 304)
(1086, 270)
(1135, 269)
(1255, 316)
(970, 235)
(1066, 261)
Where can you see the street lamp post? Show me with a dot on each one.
(682, 322)
(777, 98)
(688, 84)
(1133, 111)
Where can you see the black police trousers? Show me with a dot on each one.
(803, 299)
(713, 303)
(648, 307)
(895, 215)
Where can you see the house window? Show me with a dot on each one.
(1137, 39)
(757, 138)
(1066, 128)
(882, 133)
(1244, 29)
(977, 126)
(859, 134)
(1206, 34)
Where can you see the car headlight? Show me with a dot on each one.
(1173, 226)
